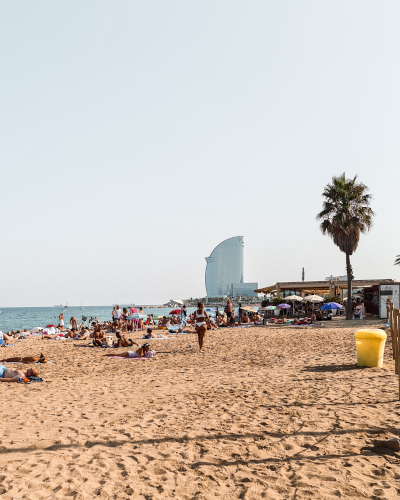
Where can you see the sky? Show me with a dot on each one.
(135, 136)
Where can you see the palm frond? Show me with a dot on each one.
(346, 212)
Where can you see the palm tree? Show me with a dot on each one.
(397, 261)
(345, 214)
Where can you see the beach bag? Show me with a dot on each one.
(151, 354)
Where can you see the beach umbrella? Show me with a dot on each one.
(137, 316)
(51, 326)
(175, 311)
(283, 306)
(331, 305)
(247, 308)
(294, 298)
(269, 308)
(313, 298)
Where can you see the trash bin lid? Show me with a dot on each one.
(370, 333)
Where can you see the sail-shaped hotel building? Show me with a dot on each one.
(224, 271)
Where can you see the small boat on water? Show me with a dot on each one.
(82, 309)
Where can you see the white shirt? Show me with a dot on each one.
(117, 313)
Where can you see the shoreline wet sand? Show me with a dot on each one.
(265, 412)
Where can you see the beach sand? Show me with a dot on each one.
(264, 412)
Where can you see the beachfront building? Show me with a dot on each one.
(333, 286)
(224, 271)
(244, 289)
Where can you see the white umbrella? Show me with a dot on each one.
(293, 299)
(137, 316)
(313, 298)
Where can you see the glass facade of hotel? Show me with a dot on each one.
(225, 267)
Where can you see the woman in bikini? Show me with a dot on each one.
(201, 321)
(140, 353)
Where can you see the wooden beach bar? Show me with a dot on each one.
(333, 287)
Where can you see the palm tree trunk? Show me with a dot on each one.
(350, 277)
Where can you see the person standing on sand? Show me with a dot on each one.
(183, 315)
(61, 319)
(117, 314)
(229, 309)
(141, 328)
(74, 323)
(201, 321)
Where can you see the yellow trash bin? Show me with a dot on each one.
(370, 346)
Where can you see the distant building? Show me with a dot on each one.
(244, 289)
(224, 271)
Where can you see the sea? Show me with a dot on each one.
(21, 318)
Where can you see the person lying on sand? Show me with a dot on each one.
(6, 337)
(123, 341)
(26, 359)
(149, 334)
(83, 334)
(11, 375)
(140, 353)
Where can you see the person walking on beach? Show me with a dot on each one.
(201, 321)
(61, 319)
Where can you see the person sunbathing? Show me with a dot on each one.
(6, 337)
(11, 375)
(123, 341)
(149, 334)
(98, 337)
(26, 359)
(140, 353)
(245, 318)
(164, 322)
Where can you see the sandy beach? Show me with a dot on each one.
(264, 412)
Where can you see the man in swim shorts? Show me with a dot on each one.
(11, 375)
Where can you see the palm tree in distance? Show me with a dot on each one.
(345, 214)
(397, 261)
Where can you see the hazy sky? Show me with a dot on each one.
(137, 135)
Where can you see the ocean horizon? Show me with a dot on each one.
(20, 318)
